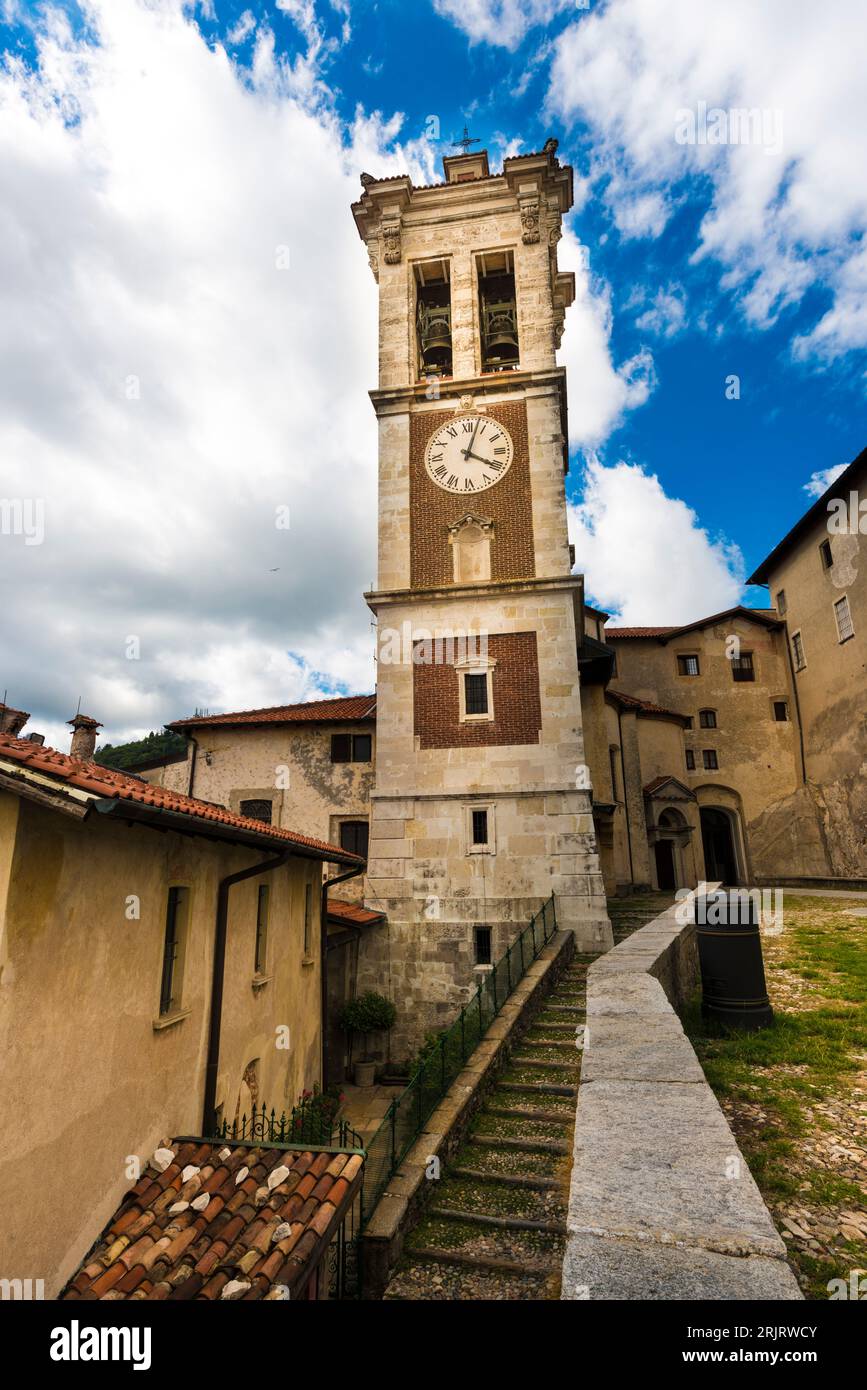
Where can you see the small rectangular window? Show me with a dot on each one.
(170, 985)
(742, 667)
(354, 837)
(690, 760)
(709, 759)
(687, 666)
(257, 810)
(707, 718)
(483, 945)
(341, 748)
(612, 763)
(480, 827)
(781, 603)
(476, 694)
(688, 721)
(845, 630)
(262, 928)
(798, 651)
(825, 552)
(308, 919)
(362, 745)
(781, 711)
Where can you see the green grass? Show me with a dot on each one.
(812, 1054)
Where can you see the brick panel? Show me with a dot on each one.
(508, 504)
(517, 707)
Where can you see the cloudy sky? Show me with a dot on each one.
(188, 330)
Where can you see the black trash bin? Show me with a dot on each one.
(733, 988)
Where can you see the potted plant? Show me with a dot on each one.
(368, 1013)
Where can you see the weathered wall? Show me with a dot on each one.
(831, 687)
(91, 1075)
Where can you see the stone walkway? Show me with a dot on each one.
(364, 1107)
(496, 1227)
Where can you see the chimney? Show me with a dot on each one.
(12, 721)
(83, 737)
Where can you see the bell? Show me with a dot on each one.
(501, 332)
(435, 335)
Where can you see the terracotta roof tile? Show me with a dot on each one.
(180, 1257)
(617, 632)
(352, 914)
(342, 708)
(109, 785)
(644, 706)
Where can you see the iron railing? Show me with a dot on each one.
(408, 1112)
(306, 1123)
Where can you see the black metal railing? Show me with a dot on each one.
(306, 1123)
(406, 1116)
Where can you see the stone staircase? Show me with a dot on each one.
(495, 1226)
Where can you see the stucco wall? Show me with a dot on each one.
(88, 1080)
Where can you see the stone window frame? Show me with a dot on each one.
(261, 975)
(785, 704)
(681, 670)
(782, 605)
(475, 666)
(826, 554)
(707, 766)
(712, 722)
(490, 845)
(799, 656)
(179, 1010)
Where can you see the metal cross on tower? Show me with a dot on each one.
(465, 141)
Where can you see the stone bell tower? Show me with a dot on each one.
(481, 807)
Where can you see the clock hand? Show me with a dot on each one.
(466, 452)
(490, 462)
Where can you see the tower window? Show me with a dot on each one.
(781, 711)
(827, 557)
(690, 760)
(707, 718)
(742, 667)
(483, 945)
(476, 693)
(433, 318)
(710, 759)
(480, 827)
(498, 311)
(688, 666)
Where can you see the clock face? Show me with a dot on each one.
(468, 454)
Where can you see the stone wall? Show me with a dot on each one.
(662, 1204)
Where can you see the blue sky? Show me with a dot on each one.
(152, 153)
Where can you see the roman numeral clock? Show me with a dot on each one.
(468, 455)
(477, 814)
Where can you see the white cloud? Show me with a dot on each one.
(646, 558)
(788, 212)
(599, 393)
(165, 385)
(822, 480)
(665, 315)
(501, 22)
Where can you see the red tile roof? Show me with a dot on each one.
(108, 784)
(342, 708)
(353, 914)
(617, 632)
(220, 1222)
(768, 617)
(644, 706)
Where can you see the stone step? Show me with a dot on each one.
(508, 1179)
(497, 1223)
(456, 1237)
(523, 1061)
(430, 1281)
(457, 1257)
(529, 1040)
(524, 1146)
(543, 1087)
(565, 1008)
(513, 1112)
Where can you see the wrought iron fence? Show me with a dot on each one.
(406, 1116)
(308, 1122)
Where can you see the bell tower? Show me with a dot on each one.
(481, 807)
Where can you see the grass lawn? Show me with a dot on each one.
(795, 1093)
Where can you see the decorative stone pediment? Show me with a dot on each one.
(484, 523)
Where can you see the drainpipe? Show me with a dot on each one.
(323, 954)
(216, 1016)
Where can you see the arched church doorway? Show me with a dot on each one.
(665, 875)
(720, 860)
